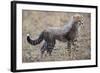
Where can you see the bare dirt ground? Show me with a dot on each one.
(33, 22)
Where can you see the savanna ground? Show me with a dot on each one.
(33, 22)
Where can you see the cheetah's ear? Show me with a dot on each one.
(75, 17)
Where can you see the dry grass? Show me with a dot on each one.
(36, 21)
